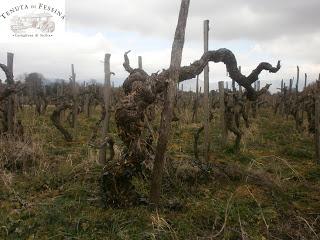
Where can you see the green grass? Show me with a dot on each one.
(60, 199)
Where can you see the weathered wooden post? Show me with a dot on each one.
(281, 106)
(87, 101)
(112, 94)
(317, 127)
(206, 93)
(298, 76)
(197, 96)
(224, 131)
(75, 97)
(290, 85)
(196, 102)
(59, 95)
(106, 97)
(234, 86)
(240, 87)
(140, 62)
(190, 96)
(10, 107)
(285, 92)
(166, 116)
(305, 80)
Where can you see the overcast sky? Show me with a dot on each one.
(255, 30)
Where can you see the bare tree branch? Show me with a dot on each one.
(126, 63)
(55, 118)
(262, 66)
(8, 73)
(221, 55)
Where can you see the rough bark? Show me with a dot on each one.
(55, 118)
(142, 91)
(8, 97)
(317, 127)
(298, 76)
(196, 143)
(7, 90)
(224, 130)
(206, 93)
(196, 103)
(11, 121)
(75, 97)
(8, 73)
(106, 93)
(166, 117)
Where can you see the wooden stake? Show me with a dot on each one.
(240, 87)
(317, 127)
(140, 62)
(87, 102)
(206, 93)
(60, 94)
(290, 85)
(197, 100)
(166, 115)
(106, 96)
(305, 80)
(298, 76)
(75, 97)
(224, 130)
(11, 108)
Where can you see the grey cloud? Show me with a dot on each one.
(284, 29)
(232, 19)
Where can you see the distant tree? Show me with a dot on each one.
(36, 91)
(34, 83)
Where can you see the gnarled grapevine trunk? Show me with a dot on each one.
(9, 123)
(141, 93)
(55, 118)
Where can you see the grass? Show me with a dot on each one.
(60, 197)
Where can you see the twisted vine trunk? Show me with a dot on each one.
(136, 109)
(55, 118)
(8, 95)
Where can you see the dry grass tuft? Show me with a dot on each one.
(162, 228)
(19, 155)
